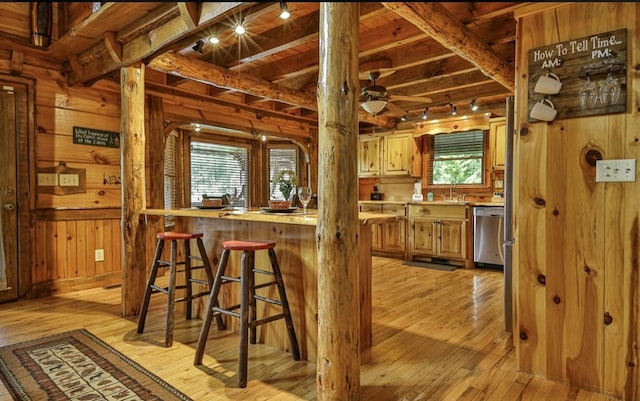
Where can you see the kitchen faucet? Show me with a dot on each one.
(453, 184)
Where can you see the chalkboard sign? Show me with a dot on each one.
(96, 137)
(580, 77)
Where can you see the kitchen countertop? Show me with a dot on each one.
(437, 202)
(259, 215)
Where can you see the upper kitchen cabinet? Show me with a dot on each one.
(497, 138)
(395, 154)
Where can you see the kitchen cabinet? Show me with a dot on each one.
(369, 156)
(497, 141)
(388, 239)
(441, 232)
(393, 154)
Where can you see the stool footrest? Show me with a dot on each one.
(263, 285)
(268, 319)
(268, 300)
(226, 279)
(227, 311)
(266, 272)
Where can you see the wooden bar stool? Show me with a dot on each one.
(170, 289)
(248, 297)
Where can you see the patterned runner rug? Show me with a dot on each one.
(77, 365)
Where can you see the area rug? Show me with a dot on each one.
(428, 265)
(76, 365)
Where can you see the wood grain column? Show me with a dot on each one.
(132, 162)
(338, 366)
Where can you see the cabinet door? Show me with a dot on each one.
(451, 238)
(376, 229)
(423, 238)
(369, 155)
(394, 234)
(498, 140)
(397, 155)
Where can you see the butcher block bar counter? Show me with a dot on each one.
(296, 248)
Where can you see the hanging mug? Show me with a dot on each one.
(544, 110)
(548, 84)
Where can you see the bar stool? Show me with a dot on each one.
(248, 297)
(170, 289)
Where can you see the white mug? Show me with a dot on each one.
(543, 111)
(548, 84)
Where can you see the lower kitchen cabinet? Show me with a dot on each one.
(388, 239)
(441, 233)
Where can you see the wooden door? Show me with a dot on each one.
(8, 197)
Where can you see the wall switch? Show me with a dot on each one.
(622, 170)
(99, 255)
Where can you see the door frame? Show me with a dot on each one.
(24, 89)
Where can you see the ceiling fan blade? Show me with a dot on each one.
(421, 99)
(396, 110)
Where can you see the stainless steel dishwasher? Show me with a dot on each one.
(488, 226)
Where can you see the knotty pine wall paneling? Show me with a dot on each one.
(576, 251)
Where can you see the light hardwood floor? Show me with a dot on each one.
(437, 336)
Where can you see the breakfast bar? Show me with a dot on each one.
(295, 236)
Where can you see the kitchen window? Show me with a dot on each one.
(281, 158)
(457, 158)
(170, 176)
(218, 169)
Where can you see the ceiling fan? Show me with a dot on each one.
(374, 98)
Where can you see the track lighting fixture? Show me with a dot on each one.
(454, 109)
(196, 127)
(474, 105)
(425, 113)
(284, 10)
(403, 118)
(198, 47)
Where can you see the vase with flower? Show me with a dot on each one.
(286, 181)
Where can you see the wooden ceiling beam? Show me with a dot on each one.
(145, 45)
(198, 70)
(435, 20)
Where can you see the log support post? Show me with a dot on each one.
(338, 362)
(132, 162)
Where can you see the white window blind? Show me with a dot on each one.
(218, 169)
(457, 158)
(281, 158)
(170, 176)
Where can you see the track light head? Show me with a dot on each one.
(284, 10)
(198, 47)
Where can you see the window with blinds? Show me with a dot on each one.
(457, 158)
(281, 158)
(170, 176)
(218, 170)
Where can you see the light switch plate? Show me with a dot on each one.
(622, 170)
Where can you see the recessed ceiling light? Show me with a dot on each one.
(214, 40)
(239, 29)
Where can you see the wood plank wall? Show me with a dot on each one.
(576, 241)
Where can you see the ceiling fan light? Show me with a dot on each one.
(373, 106)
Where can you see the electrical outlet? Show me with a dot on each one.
(69, 180)
(47, 179)
(622, 170)
(99, 255)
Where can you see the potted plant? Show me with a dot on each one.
(286, 180)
